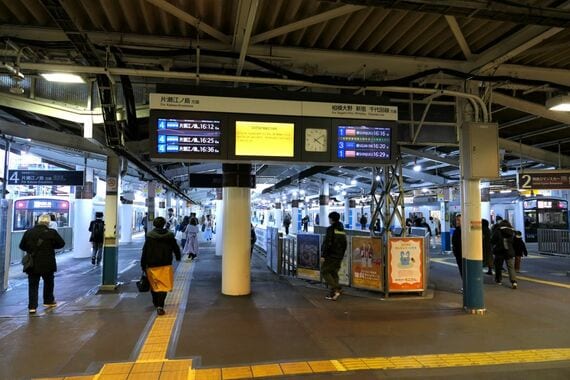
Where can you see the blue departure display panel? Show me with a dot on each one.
(363, 143)
(189, 136)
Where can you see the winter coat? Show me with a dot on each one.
(42, 241)
(335, 242)
(456, 242)
(191, 245)
(502, 240)
(97, 236)
(487, 248)
(158, 248)
(519, 247)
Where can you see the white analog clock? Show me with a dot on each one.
(316, 140)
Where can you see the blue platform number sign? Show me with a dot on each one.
(46, 177)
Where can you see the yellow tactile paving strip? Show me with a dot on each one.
(383, 363)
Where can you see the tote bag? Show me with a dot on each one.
(161, 278)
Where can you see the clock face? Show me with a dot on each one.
(315, 140)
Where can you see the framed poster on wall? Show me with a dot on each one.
(406, 264)
(308, 257)
(367, 265)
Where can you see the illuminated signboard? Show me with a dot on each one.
(363, 143)
(265, 139)
(189, 136)
(42, 204)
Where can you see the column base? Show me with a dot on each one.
(108, 288)
(469, 310)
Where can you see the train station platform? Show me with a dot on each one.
(285, 328)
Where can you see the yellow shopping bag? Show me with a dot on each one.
(161, 278)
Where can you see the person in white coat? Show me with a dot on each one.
(191, 246)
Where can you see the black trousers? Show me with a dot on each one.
(97, 253)
(459, 261)
(34, 285)
(158, 298)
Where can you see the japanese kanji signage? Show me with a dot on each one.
(45, 177)
(546, 179)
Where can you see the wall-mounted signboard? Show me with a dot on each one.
(45, 177)
(189, 135)
(361, 141)
(265, 139)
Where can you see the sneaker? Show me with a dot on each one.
(490, 272)
(498, 283)
(160, 311)
(93, 261)
(333, 296)
(50, 304)
(32, 311)
(514, 285)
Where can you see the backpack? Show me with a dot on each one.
(507, 240)
(98, 230)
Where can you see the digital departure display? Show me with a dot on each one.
(254, 138)
(363, 143)
(189, 136)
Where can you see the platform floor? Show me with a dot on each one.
(285, 328)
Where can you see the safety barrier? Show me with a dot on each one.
(554, 241)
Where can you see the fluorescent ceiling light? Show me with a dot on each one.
(62, 77)
(559, 103)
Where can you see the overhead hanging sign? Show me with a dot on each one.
(544, 179)
(178, 102)
(45, 177)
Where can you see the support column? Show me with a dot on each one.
(219, 221)
(324, 205)
(295, 217)
(150, 204)
(353, 214)
(347, 215)
(445, 226)
(83, 215)
(126, 213)
(236, 239)
(277, 216)
(111, 248)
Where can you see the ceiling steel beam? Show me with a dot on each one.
(430, 156)
(243, 29)
(459, 37)
(512, 123)
(189, 19)
(530, 107)
(534, 153)
(301, 24)
(542, 131)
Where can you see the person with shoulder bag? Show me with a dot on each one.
(156, 261)
(40, 243)
(97, 238)
(502, 241)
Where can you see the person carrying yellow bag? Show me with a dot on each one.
(156, 261)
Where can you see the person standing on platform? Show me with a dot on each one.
(144, 223)
(181, 231)
(305, 222)
(456, 244)
(156, 261)
(520, 250)
(191, 246)
(208, 228)
(41, 242)
(171, 221)
(97, 229)
(363, 221)
(287, 223)
(252, 240)
(332, 253)
(317, 220)
(502, 240)
(487, 249)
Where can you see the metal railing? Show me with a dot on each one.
(554, 241)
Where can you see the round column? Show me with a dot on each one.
(445, 226)
(126, 217)
(486, 201)
(277, 216)
(295, 217)
(83, 215)
(236, 238)
(219, 222)
(324, 205)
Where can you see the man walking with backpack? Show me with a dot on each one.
(332, 253)
(502, 241)
(97, 229)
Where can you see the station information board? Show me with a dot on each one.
(265, 139)
(189, 136)
(362, 142)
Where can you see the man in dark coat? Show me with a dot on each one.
(157, 251)
(332, 253)
(456, 244)
(41, 242)
(97, 237)
(502, 240)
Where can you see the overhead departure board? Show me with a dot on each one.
(189, 136)
(363, 143)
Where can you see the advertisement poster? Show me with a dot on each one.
(344, 271)
(367, 269)
(308, 260)
(405, 261)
